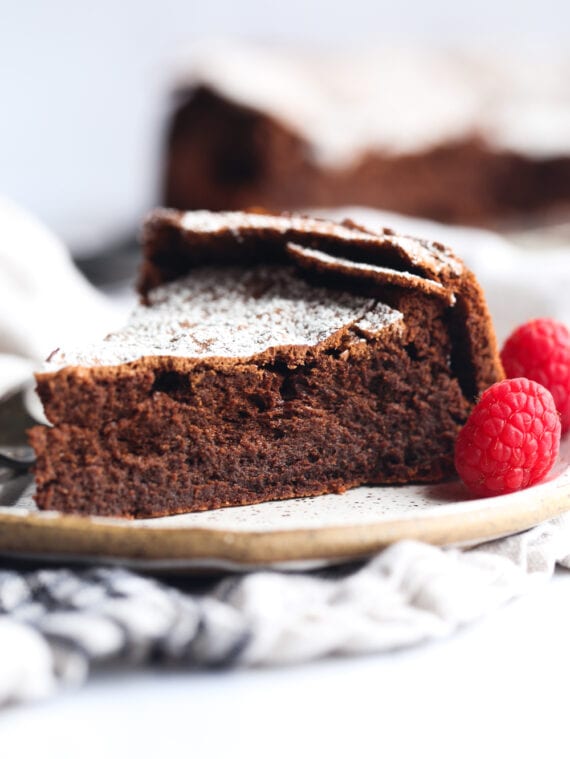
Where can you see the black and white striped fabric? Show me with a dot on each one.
(59, 625)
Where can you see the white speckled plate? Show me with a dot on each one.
(292, 534)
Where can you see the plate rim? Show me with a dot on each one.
(67, 535)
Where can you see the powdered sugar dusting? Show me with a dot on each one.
(212, 222)
(232, 312)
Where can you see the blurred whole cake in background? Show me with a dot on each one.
(459, 138)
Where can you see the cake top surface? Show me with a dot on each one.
(233, 312)
(206, 237)
(345, 105)
(235, 285)
(419, 252)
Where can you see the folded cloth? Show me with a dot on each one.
(58, 625)
(44, 300)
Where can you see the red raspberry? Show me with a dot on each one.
(540, 350)
(511, 439)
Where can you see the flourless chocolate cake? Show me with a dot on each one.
(455, 137)
(270, 357)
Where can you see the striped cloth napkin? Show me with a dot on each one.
(58, 625)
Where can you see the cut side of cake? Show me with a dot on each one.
(270, 357)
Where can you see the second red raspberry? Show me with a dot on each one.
(540, 350)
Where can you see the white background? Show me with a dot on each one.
(83, 84)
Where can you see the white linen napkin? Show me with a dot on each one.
(44, 300)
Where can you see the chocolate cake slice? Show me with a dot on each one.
(455, 137)
(270, 357)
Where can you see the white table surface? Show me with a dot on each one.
(498, 688)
